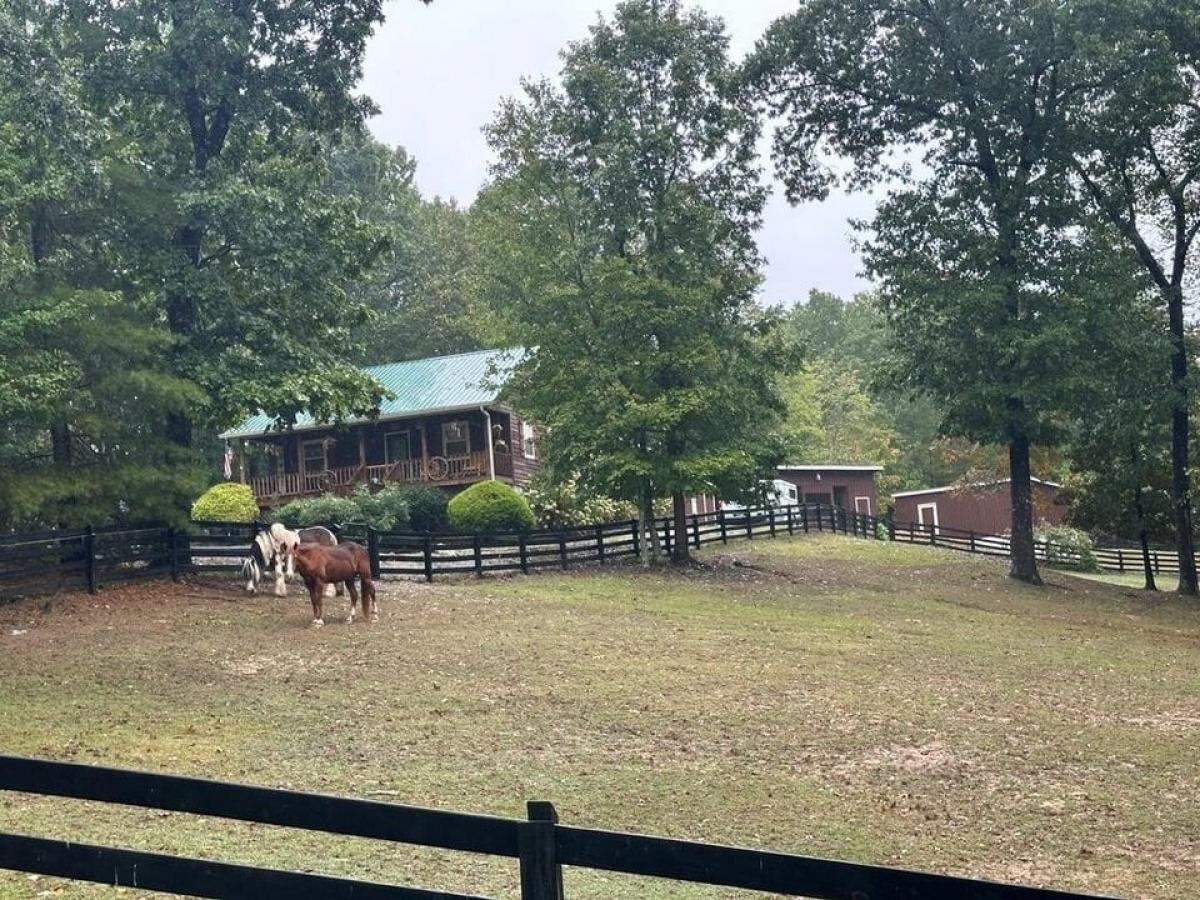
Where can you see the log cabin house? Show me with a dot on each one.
(443, 426)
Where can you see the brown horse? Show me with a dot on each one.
(319, 565)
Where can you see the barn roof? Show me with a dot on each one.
(419, 386)
(829, 468)
(978, 484)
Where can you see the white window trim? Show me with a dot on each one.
(466, 426)
(921, 507)
(407, 440)
(528, 441)
(304, 455)
(868, 504)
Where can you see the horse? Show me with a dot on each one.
(321, 566)
(271, 551)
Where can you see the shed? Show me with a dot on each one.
(984, 506)
(849, 487)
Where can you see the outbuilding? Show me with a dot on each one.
(849, 487)
(984, 507)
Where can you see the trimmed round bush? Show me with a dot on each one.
(427, 508)
(490, 506)
(226, 502)
(327, 509)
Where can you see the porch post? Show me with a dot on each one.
(424, 453)
(242, 461)
(487, 427)
(362, 448)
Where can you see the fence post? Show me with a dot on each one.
(562, 549)
(600, 543)
(891, 527)
(749, 525)
(635, 528)
(696, 530)
(804, 518)
(771, 519)
(478, 547)
(1120, 560)
(667, 523)
(524, 553)
(89, 560)
(1156, 572)
(932, 537)
(373, 551)
(791, 524)
(541, 875)
(972, 540)
(724, 528)
(428, 547)
(172, 557)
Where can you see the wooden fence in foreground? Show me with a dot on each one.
(86, 559)
(540, 844)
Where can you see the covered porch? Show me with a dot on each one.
(448, 450)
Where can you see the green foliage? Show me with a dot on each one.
(385, 510)
(624, 255)
(1068, 547)
(418, 286)
(427, 508)
(226, 502)
(490, 506)
(566, 503)
(327, 509)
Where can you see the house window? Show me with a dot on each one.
(313, 456)
(456, 439)
(792, 495)
(862, 505)
(528, 441)
(396, 446)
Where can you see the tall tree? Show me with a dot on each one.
(419, 286)
(966, 246)
(225, 110)
(618, 233)
(1135, 149)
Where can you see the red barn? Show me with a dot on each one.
(850, 487)
(984, 507)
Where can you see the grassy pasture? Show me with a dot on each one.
(876, 702)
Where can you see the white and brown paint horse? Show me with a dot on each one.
(273, 550)
(321, 566)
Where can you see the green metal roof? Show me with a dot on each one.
(419, 386)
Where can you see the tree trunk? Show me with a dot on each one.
(1147, 566)
(651, 547)
(60, 442)
(181, 319)
(1181, 491)
(679, 546)
(1024, 562)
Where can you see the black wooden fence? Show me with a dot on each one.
(541, 845)
(86, 559)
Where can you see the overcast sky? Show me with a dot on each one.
(438, 72)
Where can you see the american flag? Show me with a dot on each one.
(228, 462)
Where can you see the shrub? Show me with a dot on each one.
(560, 504)
(490, 506)
(1066, 546)
(427, 508)
(226, 502)
(327, 509)
(385, 509)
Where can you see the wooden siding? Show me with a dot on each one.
(986, 509)
(832, 484)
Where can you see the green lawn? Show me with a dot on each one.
(821, 695)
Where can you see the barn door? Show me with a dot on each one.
(927, 514)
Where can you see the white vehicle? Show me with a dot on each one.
(778, 493)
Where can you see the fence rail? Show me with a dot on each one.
(86, 559)
(540, 844)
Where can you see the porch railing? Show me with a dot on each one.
(437, 469)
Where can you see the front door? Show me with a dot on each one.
(840, 498)
(397, 445)
(313, 458)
